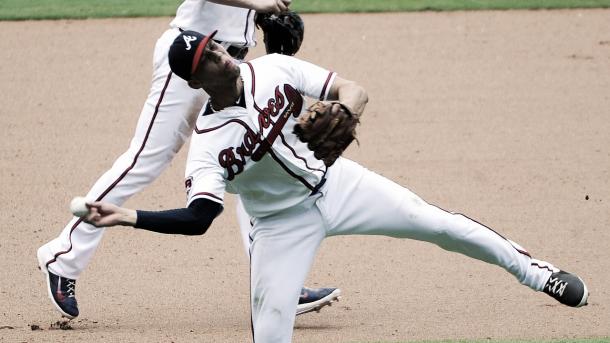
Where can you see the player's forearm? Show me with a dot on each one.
(194, 220)
(176, 222)
(235, 3)
(353, 96)
(274, 6)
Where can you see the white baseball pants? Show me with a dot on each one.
(356, 201)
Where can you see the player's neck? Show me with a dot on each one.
(226, 95)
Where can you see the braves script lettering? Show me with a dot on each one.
(254, 144)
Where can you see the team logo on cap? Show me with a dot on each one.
(188, 40)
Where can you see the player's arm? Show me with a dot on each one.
(317, 82)
(348, 93)
(263, 6)
(193, 220)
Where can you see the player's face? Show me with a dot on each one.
(216, 65)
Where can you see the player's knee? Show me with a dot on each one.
(454, 229)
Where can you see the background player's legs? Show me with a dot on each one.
(165, 123)
(282, 251)
(358, 201)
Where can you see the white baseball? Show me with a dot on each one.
(78, 207)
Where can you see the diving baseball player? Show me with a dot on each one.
(166, 121)
(245, 143)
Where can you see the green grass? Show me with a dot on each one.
(439, 5)
(78, 9)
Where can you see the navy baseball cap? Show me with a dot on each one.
(186, 52)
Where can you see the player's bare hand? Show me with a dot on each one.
(102, 214)
(263, 6)
(271, 6)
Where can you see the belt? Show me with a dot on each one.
(237, 52)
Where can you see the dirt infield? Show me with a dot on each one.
(503, 116)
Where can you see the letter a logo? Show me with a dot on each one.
(188, 40)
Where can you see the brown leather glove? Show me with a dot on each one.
(328, 128)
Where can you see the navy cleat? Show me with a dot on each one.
(313, 299)
(61, 291)
(567, 288)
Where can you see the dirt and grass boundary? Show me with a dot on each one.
(76, 9)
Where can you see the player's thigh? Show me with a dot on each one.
(169, 114)
(171, 108)
(360, 201)
(245, 224)
(281, 253)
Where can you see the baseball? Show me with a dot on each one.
(78, 207)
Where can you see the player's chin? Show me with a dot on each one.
(233, 70)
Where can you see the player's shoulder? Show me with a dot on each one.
(273, 59)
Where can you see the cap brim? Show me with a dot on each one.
(199, 52)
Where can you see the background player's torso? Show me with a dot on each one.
(205, 16)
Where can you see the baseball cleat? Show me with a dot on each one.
(61, 291)
(313, 299)
(567, 288)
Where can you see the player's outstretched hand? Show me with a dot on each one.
(102, 214)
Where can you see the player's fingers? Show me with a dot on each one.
(276, 10)
(95, 205)
(283, 7)
(269, 6)
(104, 208)
(97, 212)
(92, 216)
(336, 107)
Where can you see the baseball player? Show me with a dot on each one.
(245, 143)
(166, 121)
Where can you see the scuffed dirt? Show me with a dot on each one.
(499, 115)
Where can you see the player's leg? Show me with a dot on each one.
(392, 210)
(164, 124)
(245, 225)
(311, 299)
(282, 252)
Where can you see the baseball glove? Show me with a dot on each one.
(283, 33)
(328, 128)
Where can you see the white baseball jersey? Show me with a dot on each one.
(239, 149)
(204, 16)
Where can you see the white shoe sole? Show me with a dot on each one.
(318, 305)
(585, 296)
(43, 268)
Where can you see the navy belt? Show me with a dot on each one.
(237, 52)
